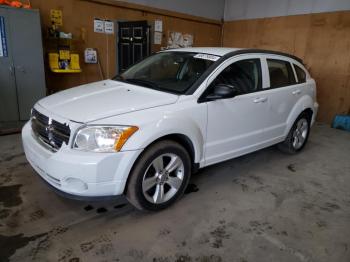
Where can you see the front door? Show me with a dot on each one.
(133, 43)
(236, 125)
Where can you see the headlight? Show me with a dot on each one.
(103, 138)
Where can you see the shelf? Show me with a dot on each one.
(71, 62)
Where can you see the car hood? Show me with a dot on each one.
(104, 99)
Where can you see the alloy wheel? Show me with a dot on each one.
(300, 133)
(163, 178)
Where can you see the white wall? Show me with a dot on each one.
(213, 9)
(250, 9)
(246, 9)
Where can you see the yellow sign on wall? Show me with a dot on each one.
(53, 60)
(64, 54)
(56, 17)
(74, 62)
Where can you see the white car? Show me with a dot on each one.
(144, 132)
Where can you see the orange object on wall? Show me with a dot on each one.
(16, 3)
(5, 2)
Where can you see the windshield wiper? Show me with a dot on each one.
(142, 82)
(118, 77)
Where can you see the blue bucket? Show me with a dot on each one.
(341, 122)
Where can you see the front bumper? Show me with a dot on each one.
(76, 173)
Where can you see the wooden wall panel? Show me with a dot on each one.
(78, 19)
(321, 40)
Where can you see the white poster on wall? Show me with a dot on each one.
(90, 55)
(109, 27)
(179, 40)
(99, 26)
(158, 26)
(157, 38)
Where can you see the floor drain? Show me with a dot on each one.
(88, 207)
(101, 210)
(119, 206)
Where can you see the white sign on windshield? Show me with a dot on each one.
(207, 57)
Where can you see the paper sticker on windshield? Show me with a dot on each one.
(207, 57)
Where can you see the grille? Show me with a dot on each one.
(49, 131)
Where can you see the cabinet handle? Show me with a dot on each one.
(21, 69)
(12, 69)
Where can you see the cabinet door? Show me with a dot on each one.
(28, 61)
(8, 94)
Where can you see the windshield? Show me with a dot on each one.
(173, 72)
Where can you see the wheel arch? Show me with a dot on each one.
(304, 105)
(181, 139)
(309, 112)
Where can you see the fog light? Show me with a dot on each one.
(75, 184)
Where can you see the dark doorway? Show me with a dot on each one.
(133, 43)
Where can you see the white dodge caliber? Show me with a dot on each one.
(144, 132)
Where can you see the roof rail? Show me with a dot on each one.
(263, 51)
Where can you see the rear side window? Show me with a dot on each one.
(300, 74)
(281, 73)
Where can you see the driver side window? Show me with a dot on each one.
(244, 75)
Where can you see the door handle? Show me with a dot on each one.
(260, 100)
(296, 92)
(21, 69)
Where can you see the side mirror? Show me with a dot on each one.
(222, 91)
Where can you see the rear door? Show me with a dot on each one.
(282, 95)
(301, 76)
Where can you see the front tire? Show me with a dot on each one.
(297, 136)
(159, 177)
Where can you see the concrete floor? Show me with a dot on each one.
(266, 206)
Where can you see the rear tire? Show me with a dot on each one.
(297, 136)
(159, 177)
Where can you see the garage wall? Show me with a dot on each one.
(78, 18)
(250, 9)
(322, 40)
(205, 8)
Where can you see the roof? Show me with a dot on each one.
(222, 51)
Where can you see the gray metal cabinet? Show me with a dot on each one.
(22, 75)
